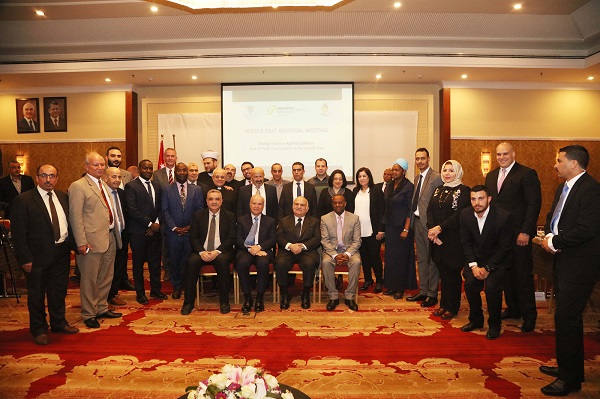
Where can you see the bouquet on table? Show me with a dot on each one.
(238, 383)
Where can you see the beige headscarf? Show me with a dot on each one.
(459, 173)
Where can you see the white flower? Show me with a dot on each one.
(271, 381)
(192, 394)
(218, 380)
(248, 375)
(287, 395)
(261, 389)
(248, 391)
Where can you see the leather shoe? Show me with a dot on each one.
(141, 299)
(528, 326)
(41, 339)
(351, 303)
(117, 302)
(561, 388)
(366, 285)
(332, 304)
(91, 323)
(416, 298)
(549, 370)
(68, 329)
(127, 286)
(378, 288)
(285, 302)
(439, 311)
(158, 295)
(259, 306)
(305, 301)
(247, 306)
(398, 294)
(429, 302)
(390, 292)
(109, 315)
(508, 314)
(187, 308)
(224, 308)
(447, 315)
(492, 333)
(176, 294)
(470, 327)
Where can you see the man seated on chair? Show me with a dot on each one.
(340, 252)
(210, 246)
(255, 240)
(298, 240)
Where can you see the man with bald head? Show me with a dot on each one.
(268, 192)
(29, 123)
(229, 195)
(516, 189)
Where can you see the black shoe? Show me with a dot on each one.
(366, 285)
(247, 307)
(528, 326)
(91, 323)
(187, 308)
(493, 333)
(141, 299)
(285, 302)
(509, 314)
(415, 298)
(158, 295)
(74, 279)
(224, 308)
(127, 286)
(176, 294)
(429, 302)
(109, 315)
(259, 306)
(549, 370)
(561, 388)
(332, 304)
(378, 288)
(305, 304)
(390, 292)
(351, 303)
(471, 326)
(399, 294)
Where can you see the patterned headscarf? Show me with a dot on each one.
(459, 173)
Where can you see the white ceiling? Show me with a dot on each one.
(80, 42)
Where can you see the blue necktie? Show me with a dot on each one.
(558, 209)
(298, 191)
(252, 234)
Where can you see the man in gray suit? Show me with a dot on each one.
(425, 183)
(340, 251)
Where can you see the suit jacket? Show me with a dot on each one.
(140, 209)
(287, 199)
(491, 247)
(199, 231)
(350, 231)
(23, 126)
(246, 192)
(88, 215)
(578, 237)
(8, 191)
(31, 227)
(310, 235)
(428, 185)
(376, 207)
(520, 194)
(266, 232)
(205, 178)
(49, 124)
(229, 198)
(160, 176)
(173, 214)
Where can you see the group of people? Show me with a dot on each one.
(482, 234)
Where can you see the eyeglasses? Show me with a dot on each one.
(45, 176)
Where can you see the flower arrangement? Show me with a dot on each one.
(238, 383)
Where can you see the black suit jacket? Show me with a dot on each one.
(287, 199)
(199, 231)
(310, 235)
(245, 193)
(31, 228)
(491, 247)
(376, 207)
(23, 126)
(578, 236)
(140, 209)
(49, 125)
(520, 194)
(266, 232)
(8, 191)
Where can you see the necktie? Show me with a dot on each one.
(55, 123)
(501, 179)
(31, 125)
(170, 176)
(299, 227)
(110, 214)
(211, 233)
(340, 234)
(383, 187)
(150, 192)
(257, 191)
(182, 195)
(298, 190)
(558, 209)
(417, 194)
(119, 213)
(54, 215)
(250, 239)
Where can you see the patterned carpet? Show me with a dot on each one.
(389, 349)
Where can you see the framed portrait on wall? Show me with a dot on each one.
(28, 120)
(55, 114)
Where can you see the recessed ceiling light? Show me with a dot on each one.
(397, 4)
(40, 13)
(590, 78)
(194, 77)
(107, 80)
(378, 76)
(464, 76)
(517, 6)
(154, 9)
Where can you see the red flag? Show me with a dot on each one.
(161, 155)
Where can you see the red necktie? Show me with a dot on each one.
(110, 214)
(170, 176)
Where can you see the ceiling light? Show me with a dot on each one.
(207, 4)
(107, 80)
(397, 4)
(154, 9)
(517, 6)
(40, 13)
(464, 76)
(194, 77)
(378, 76)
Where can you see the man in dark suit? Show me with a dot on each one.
(297, 188)
(41, 241)
(246, 168)
(210, 246)
(29, 123)
(165, 176)
(179, 203)
(486, 237)
(298, 240)
(254, 243)
(143, 198)
(230, 178)
(13, 184)
(573, 234)
(387, 178)
(228, 194)
(210, 161)
(268, 192)
(516, 189)
(53, 120)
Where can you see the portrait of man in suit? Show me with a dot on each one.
(55, 115)
(258, 186)
(27, 117)
(12, 185)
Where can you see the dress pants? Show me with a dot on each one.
(192, 269)
(179, 252)
(429, 276)
(370, 255)
(328, 267)
(493, 295)
(146, 249)
(451, 287)
(519, 290)
(308, 262)
(242, 264)
(50, 278)
(120, 271)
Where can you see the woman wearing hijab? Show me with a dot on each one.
(337, 185)
(443, 220)
(399, 271)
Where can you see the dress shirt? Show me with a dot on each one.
(261, 191)
(108, 197)
(506, 172)
(340, 240)
(418, 195)
(287, 246)
(62, 217)
(570, 184)
(257, 227)
(295, 189)
(146, 185)
(362, 209)
(217, 235)
(16, 183)
(480, 222)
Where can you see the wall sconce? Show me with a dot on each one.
(486, 161)
(22, 159)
